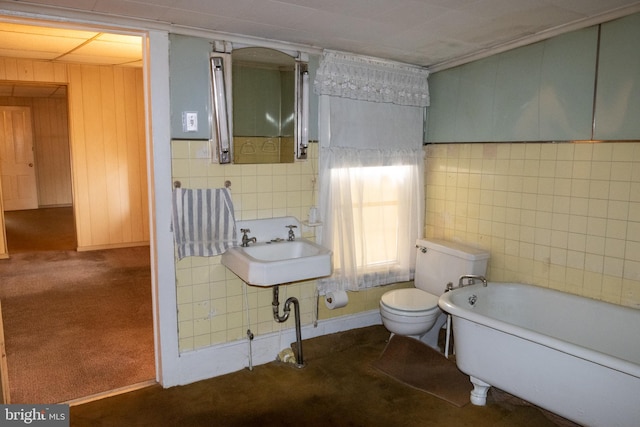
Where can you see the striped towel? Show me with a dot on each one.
(203, 221)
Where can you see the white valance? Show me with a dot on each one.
(371, 79)
(364, 125)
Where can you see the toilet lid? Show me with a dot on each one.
(410, 299)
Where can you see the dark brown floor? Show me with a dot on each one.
(337, 387)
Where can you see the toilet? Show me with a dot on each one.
(414, 311)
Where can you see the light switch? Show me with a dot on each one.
(189, 121)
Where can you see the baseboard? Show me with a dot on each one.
(111, 246)
(111, 393)
(234, 356)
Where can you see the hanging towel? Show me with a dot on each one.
(203, 221)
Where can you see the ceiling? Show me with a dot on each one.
(63, 45)
(429, 33)
(67, 45)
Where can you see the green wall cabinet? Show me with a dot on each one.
(617, 110)
(543, 91)
(189, 84)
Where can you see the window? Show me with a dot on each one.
(374, 216)
(370, 167)
(375, 212)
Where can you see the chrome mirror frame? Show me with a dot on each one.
(224, 146)
(302, 109)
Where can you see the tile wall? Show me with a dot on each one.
(214, 306)
(564, 216)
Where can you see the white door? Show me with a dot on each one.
(17, 170)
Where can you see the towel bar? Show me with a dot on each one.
(178, 184)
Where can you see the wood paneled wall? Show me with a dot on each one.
(108, 152)
(27, 70)
(51, 147)
(107, 135)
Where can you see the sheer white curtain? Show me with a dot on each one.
(370, 168)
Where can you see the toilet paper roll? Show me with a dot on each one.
(313, 215)
(336, 299)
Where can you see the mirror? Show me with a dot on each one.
(268, 121)
(264, 101)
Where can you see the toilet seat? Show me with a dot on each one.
(409, 302)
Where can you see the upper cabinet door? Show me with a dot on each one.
(516, 108)
(567, 80)
(618, 92)
(462, 100)
(189, 86)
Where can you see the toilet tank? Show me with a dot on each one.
(439, 262)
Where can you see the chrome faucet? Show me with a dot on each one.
(246, 239)
(292, 235)
(471, 280)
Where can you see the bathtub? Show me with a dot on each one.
(574, 356)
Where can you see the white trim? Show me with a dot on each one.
(163, 258)
(539, 36)
(58, 17)
(234, 356)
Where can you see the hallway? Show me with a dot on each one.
(76, 323)
(37, 230)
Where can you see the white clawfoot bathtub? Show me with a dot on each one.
(574, 356)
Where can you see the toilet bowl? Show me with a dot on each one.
(409, 312)
(414, 311)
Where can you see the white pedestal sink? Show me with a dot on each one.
(272, 259)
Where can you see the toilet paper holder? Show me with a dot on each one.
(336, 299)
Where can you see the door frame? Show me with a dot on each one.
(155, 121)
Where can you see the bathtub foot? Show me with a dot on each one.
(479, 392)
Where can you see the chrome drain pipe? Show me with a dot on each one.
(275, 304)
(281, 319)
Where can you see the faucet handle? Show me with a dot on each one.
(245, 230)
(292, 235)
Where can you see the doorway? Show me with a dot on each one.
(83, 265)
(19, 190)
(77, 324)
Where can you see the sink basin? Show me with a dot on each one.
(277, 263)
